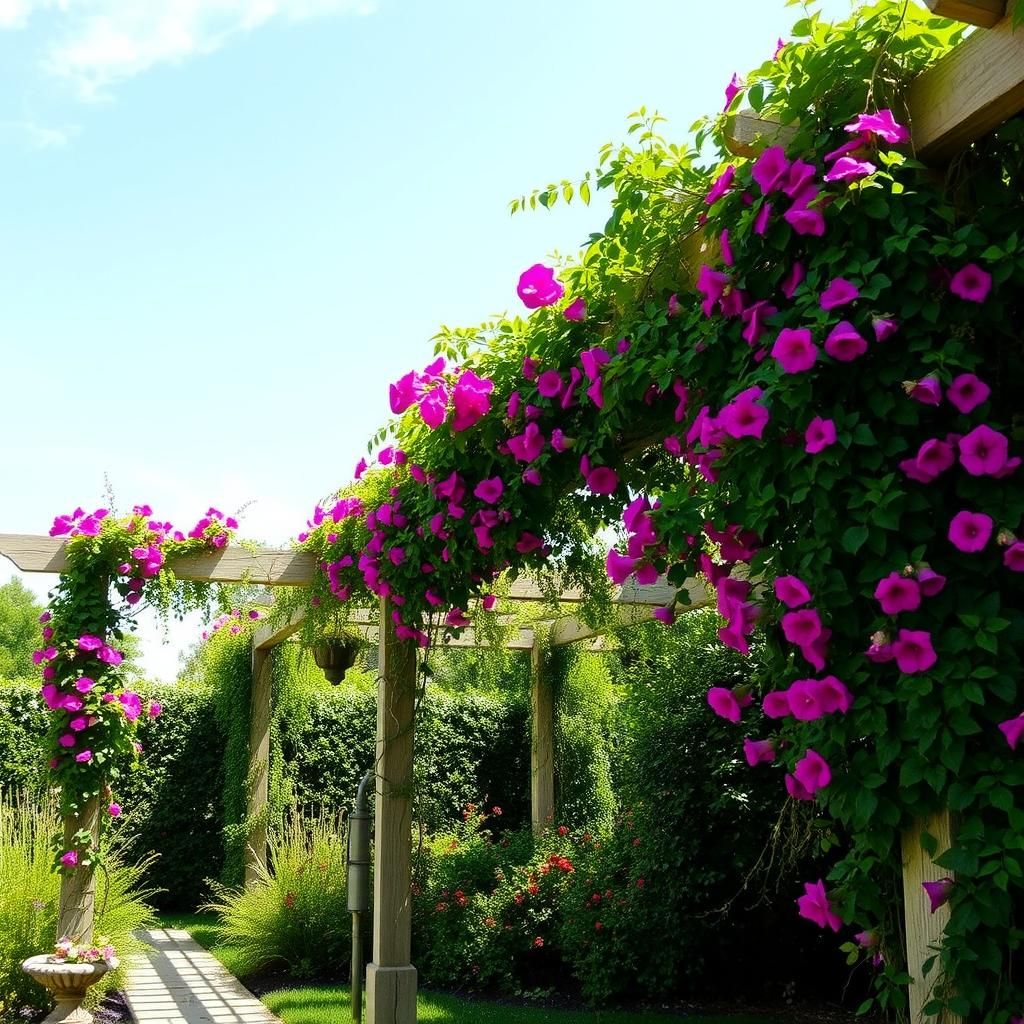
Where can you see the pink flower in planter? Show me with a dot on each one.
(744, 416)
(897, 594)
(776, 704)
(1013, 729)
(847, 168)
(792, 591)
(970, 531)
(984, 451)
(814, 905)
(722, 185)
(845, 343)
(820, 434)
(794, 350)
(470, 399)
(883, 327)
(793, 279)
(490, 490)
(801, 628)
(602, 480)
(839, 292)
(770, 168)
(812, 772)
(938, 892)
(576, 310)
(70, 859)
(883, 124)
(538, 287)
(913, 651)
(758, 751)
(971, 283)
(966, 392)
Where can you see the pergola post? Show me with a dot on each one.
(78, 887)
(258, 776)
(391, 977)
(542, 741)
(924, 928)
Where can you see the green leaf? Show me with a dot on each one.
(853, 539)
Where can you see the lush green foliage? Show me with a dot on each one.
(19, 630)
(29, 892)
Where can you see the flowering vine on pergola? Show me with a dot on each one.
(822, 432)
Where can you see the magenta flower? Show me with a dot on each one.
(70, 859)
(132, 705)
(776, 704)
(84, 756)
(933, 457)
(1013, 557)
(799, 179)
(805, 220)
(1013, 729)
(927, 390)
(529, 368)
(820, 434)
(754, 318)
(527, 446)
(602, 480)
(762, 218)
(883, 124)
(109, 655)
(913, 651)
(845, 343)
(971, 283)
(794, 350)
(804, 697)
(966, 392)
(456, 618)
(744, 416)
(930, 582)
(839, 292)
(758, 751)
(89, 643)
(801, 628)
(576, 310)
(665, 615)
(833, 695)
(711, 284)
(984, 451)
(67, 740)
(897, 594)
(726, 248)
(884, 327)
(433, 409)
(970, 531)
(592, 359)
(846, 168)
(550, 384)
(796, 790)
(489, 491)
(539, 287)
(528, 542)
(938, 892)
(403, 393)
(619, 567)
(792, 591)
(770, 168)
(727, 703)
(793, 279)
(114, 810)
(470, 399)
(812, 772)
(731, 90)
(814, 906)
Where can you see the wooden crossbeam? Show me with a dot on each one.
(748, 134)
(985, 13)
(972, 90)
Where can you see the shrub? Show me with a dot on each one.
(29, 898)
(295, 915)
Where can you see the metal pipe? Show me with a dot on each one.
(359, 884)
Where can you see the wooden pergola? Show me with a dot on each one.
(960, 99)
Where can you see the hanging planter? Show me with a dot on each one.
(336, 657)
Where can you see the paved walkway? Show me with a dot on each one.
(183, 984)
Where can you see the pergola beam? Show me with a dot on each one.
(747, 134)
(985, 13)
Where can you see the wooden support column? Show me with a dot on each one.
(542, 743)
(258, 777)
(78, 888)
(391, 978)
(924, 929)
(985, 13)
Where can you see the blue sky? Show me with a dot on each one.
(229, 224)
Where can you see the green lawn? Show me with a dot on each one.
(330, 1004)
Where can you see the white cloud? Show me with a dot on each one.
(96, 43)
(32, 135)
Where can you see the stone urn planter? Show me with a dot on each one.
(68, 983)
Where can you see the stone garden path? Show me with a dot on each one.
(181, 983)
